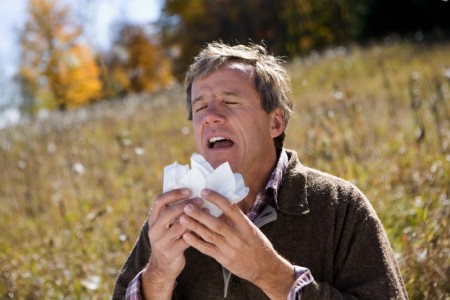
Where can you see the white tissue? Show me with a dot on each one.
(202, 175)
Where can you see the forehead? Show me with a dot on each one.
(233, 71)
(230, 79)
(238, 68)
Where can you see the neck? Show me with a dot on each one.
(256, 186)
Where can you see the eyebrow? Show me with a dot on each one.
(196, 99)
(224, 93)
(231, 93)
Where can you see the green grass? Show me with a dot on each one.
(76, 187)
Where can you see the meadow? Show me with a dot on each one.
(76, 187)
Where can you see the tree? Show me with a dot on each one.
(188, 25)
(293, 27)
(56, 70)
(406, 17)
(136, 63)
(285, 27)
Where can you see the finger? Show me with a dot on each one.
(230, 209)
(168, 218)
(165, 199)
(209, 228)
(174, 232)
(168, 243)
(204, 247)
(209, 243)
(200, 230)
(170, 249)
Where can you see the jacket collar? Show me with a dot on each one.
(292, 197)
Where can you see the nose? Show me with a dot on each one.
(213, 115)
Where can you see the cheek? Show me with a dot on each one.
(197, 135)
(195, 126)
(259, 134)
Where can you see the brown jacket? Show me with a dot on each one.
(323, 223)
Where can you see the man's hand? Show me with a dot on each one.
(238, 245)
(167, 259)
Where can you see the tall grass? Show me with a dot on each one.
(76, 187)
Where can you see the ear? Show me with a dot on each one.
(276, 122)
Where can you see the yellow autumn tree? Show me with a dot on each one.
(56, 69)
(136, 64)
(79, 75)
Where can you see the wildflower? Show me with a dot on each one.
(92, 282)
(78, 168)
(446, 73)
(139, 151)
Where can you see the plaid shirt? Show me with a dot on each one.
(268, 197)
(270, 194)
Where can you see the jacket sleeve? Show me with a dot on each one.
(134, 264)
(364, 263)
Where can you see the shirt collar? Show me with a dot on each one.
(277, 176)
(270, 194)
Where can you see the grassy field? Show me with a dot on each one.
(76, 187)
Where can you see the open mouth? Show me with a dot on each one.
(219, 142)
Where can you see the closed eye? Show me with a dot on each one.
(199, 105)
(230, 102)
(199, 108)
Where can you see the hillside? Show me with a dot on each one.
(75, 187)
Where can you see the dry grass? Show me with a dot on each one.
(76, 187)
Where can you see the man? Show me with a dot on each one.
(299, 233)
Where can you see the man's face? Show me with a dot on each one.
(230, 124)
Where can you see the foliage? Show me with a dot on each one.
(135, 64)
(293, 27)
(76, 187)
(56, 68)
(187, 25)
(406, 16)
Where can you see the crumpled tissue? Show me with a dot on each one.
(202, 175)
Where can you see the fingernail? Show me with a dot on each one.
(188, 208)
(184, 221)
(198, 202)
(185, 191)
(206, 192)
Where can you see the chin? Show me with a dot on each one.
(215, 163)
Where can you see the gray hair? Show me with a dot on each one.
(271, 78)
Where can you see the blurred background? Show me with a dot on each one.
(104, 49)
(91, 110)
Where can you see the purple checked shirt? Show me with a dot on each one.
(268, 197)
